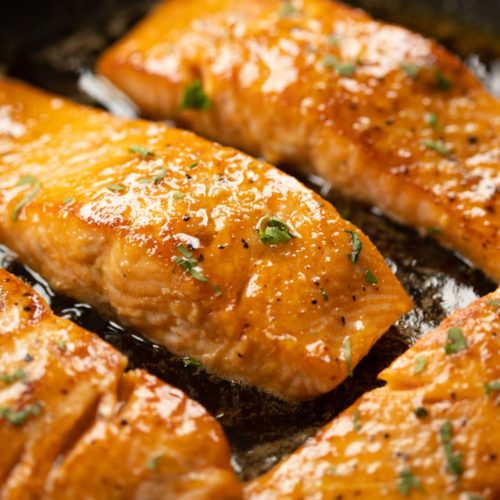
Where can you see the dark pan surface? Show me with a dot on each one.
(261, 428)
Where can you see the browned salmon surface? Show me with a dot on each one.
(219, 257)
(74, 425)
(432, 432)
(383, 114)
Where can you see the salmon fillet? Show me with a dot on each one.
(385, 115)
(74, 425)
(217, 256)
(432, 432)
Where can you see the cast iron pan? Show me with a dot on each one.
(50, 44)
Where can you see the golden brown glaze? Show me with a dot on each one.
(321, 86)
(104, 226)
(73, 425)
(379, 446)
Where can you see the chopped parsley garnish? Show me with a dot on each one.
(348, 354)
(370, 278)
(410, 69)
(432, 120)
(287, 9)
(161, 173)
(178, 195)
(142, 151)
(456, 341)
(67, 200)
(429, 231)
(153, 463)
(61, 344)
(453, 460)
(115, 187)
(189, 263)
(442, 81)
(493, 302)
(355, 421)
(10, 378)
(18, 417)
(35, 189)
(437, 146)
(343, 68)
(407, 481)
(191, 362)
(272, 230)
(217, 290)
(194, 97)
(421, 412)
(420, 365)
(489, 387)
(193, 165)
(356, 246)
(323, 293)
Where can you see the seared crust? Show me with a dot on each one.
(399, 431)
(324, 87)
(73, 425)
(105, 224)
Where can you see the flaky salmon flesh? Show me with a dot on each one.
(217, 256)
(74, 425)
(432, 432)
(384, 115)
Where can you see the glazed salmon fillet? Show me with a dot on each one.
(432, 432)
(217, 256)
(74, 425)
(384, 115)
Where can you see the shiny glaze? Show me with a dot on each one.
(270, 325)
(345, 462)
(273, 95)
(98, 428)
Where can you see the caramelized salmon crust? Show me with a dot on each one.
(201, 248)
(383, 114)
(432, 432)
(74, 425)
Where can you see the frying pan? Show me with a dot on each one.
(51, 43)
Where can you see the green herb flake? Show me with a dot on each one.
(332, 471)
(272, 230)
(15, 376)
(441, 80)
(407, 482)
(456, 341)
(18, 417)
(348, 354)
(115, 187)
(30, 195)
(343, 68)
(177, 195)
(153, 463)
(334, 39)
(433, 120)
(194, 97)
(355, 421)
(429, 231)
(421, 412)
(370, 278)
(193, 165)
(410, 69)
(493, 302)
(323, 293)
(287, 9)
(217, 290)
(68, 200)
(420, 365)
(453, 460)
(189, 263)
(142, 151)
(161, 173)
(437, 146)
(61, 344)
(489, 387)
(356, 246)
(191, 362)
